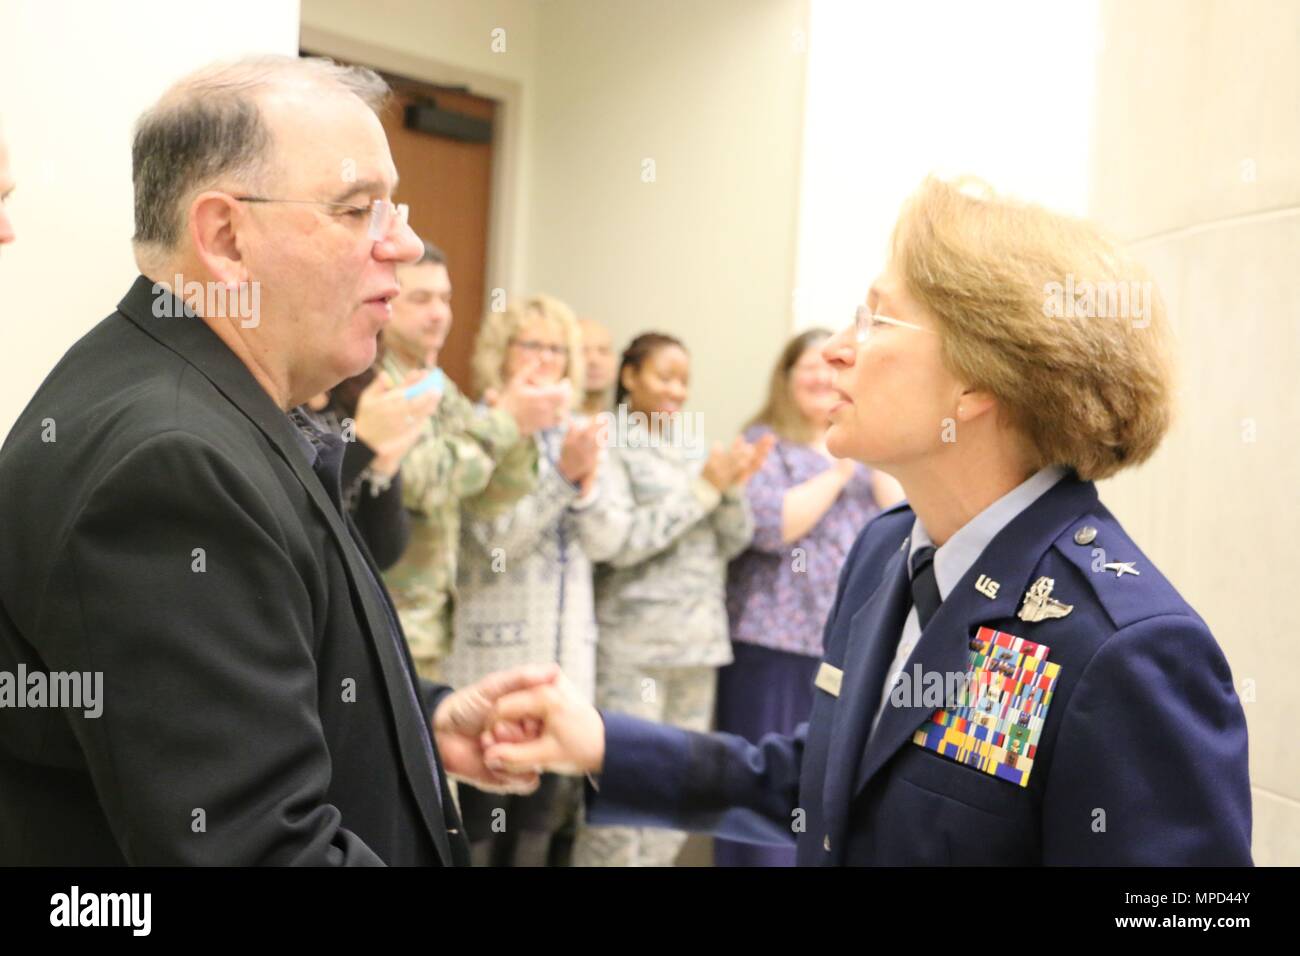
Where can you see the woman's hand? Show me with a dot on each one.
(804, 505)
(534, 407)
(580, 453)
(720, 469)
(750, 458)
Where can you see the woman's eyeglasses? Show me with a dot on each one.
(532, 345)
(865, 321)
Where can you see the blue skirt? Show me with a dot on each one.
(763, 692)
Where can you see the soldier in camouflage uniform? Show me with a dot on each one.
(467, 455)
(680, 515)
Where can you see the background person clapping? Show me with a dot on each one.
(676, 521)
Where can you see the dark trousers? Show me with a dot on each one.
(515, 830)
(764, 691)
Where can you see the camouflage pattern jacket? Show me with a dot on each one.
(661, 597)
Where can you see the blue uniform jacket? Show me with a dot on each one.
(1141, 760)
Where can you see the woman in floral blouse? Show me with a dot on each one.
(808, 508)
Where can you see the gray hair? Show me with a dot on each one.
(210, 125)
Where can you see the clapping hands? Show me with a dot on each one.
(389, 422)
(734, 466)
(580, 454)
(534, 405)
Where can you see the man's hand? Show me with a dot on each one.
(389, 422)
(461, 722)
(548, 727)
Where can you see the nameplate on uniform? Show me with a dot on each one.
(829, 678)
(996, 723)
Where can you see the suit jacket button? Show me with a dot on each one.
(1085, 535)
(826, 843)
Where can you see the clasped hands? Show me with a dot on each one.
(501, 733)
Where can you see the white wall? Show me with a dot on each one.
(712, 94)
(453, 32)
(1000, 90)
(74, 75)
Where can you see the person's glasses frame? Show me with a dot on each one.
(864, 320)
(383, 213)
(532, 345)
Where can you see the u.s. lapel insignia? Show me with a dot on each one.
(987, 586)
(1122, 568)
(1040, 605)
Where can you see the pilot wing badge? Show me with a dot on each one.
(995, 721)
(1040, 605)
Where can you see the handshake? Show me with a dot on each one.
(503, 732)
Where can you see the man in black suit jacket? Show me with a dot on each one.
(169, 525)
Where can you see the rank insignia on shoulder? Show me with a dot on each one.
(1040, 605)
(995, 723)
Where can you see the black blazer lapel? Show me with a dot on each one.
(191, 338)
(396, 670)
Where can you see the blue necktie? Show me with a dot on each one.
(925, 591)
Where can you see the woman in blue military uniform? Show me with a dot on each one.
(1007, 678)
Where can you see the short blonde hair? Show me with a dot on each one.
(499, 329)
(1020, 294)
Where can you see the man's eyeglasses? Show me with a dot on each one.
(864, 321)
(383, 214)
(532, 345)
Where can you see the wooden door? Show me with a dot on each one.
(448, 185)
